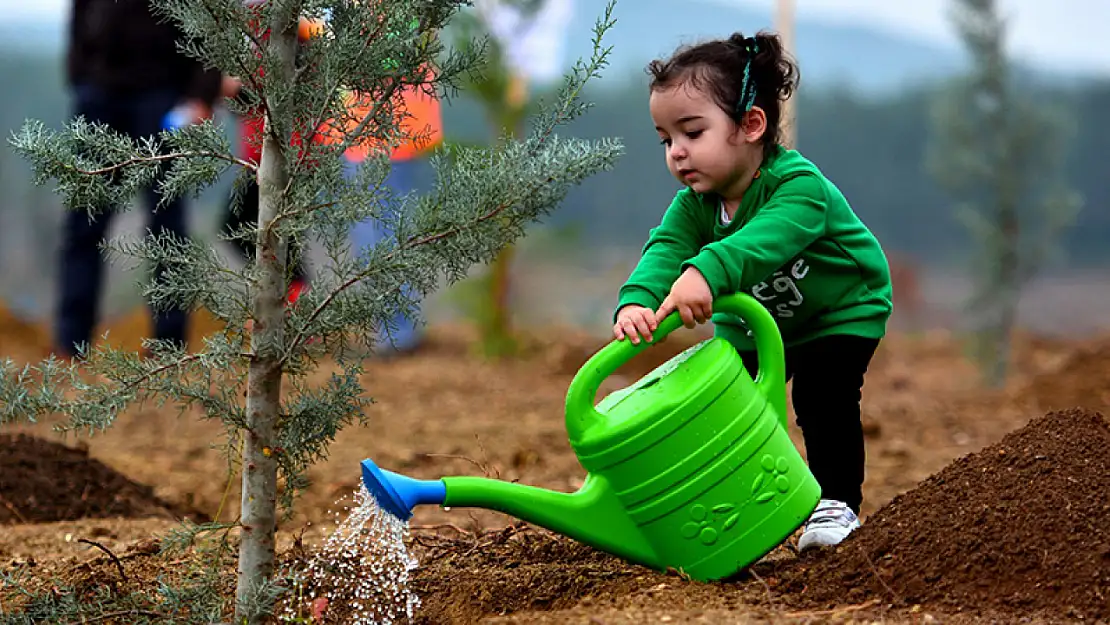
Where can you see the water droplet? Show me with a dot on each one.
(364, 564)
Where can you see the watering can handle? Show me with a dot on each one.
(771, 379)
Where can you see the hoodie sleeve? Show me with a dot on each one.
(670, 243)
(793, 218)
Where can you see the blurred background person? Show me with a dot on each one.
(423, 132)
(124, 70)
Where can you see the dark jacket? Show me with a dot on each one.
(122, 46)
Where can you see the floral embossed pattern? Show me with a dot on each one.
(706, 524)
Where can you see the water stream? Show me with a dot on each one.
(361, 572)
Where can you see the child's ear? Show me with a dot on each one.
(753, 125)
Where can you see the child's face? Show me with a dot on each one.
(706, 150)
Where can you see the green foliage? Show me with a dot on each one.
(482, 200)
(999, 153)
(873, 147)
(471, 297)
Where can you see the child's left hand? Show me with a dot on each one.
(691, 297)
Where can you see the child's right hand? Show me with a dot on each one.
(634, 322)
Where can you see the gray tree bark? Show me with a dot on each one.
(260, 467)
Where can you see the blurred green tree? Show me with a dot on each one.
(502, 89)
(999, 152)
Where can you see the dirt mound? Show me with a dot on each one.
(1023, 525)
(43, 482)
(532, 575)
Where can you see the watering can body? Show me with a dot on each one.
(689, 468)
(697, 452)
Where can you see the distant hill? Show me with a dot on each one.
(858, 58)
(829, 54)
(854, 58)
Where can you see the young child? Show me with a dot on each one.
(761, 219)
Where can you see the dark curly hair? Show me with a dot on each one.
(737, 73)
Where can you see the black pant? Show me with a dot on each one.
(248, 215)
(81, 268)
(828, 382)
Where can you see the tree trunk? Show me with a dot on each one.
(498, 337)
(499, 331)
(1003, 335)
(259, 499)
(1009, 291)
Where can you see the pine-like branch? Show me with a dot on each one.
(483, 200)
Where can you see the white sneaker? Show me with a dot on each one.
(829, 524)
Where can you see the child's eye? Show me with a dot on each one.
(666, 142)
(694, 134)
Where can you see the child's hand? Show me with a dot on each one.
(633, 322)
(691, 297)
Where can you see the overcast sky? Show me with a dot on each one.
(1061, 32)
(1056, 32)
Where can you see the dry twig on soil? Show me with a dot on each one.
(119, 565)
(833, 612)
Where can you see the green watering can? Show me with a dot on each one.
(690, 468)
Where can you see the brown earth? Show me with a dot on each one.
(44, 481)
(1080, 378)
(1021, 526)
(22, 340)
(444, 411)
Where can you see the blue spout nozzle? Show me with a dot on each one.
(398, 494)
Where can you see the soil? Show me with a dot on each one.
(44, 481)
(1021, 526)
(978, 507)
(1081, 378)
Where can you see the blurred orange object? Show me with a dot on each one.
(422, 125)
(307, 29)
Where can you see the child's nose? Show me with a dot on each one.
(678, 152)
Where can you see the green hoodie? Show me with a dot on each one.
(794, 244)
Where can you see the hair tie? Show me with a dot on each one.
(747, 88)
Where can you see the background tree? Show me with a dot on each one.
(998, 150)
(510, 27)
(482, 200)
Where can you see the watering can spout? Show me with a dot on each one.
(592, 515)
(399, 494)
